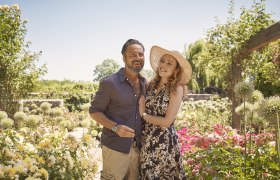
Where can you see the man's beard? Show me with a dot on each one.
(135, 69)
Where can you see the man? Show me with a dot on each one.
(115, 106)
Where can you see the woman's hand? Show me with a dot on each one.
(142, 105)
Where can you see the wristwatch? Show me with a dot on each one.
(115, 128)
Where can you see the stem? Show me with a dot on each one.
(277, 133)
(250, 143)
(256, 163)
(245, 159)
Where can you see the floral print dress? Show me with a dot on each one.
(160, 154)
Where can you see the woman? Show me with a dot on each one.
(160, 154)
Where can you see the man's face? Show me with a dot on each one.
(134, 58)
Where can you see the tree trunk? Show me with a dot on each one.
(235, 78)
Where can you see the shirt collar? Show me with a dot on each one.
(123, 78)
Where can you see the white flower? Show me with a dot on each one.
(8, 141)
(52, 160)
(69, 159)
(29, 147)
(272, 143)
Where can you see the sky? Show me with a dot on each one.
(76, 35)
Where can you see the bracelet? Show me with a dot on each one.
(144, 114)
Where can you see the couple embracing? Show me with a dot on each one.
(138, 139)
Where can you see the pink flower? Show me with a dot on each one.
(265, 174)
(219, 129)
(190, 162)
(197, 167)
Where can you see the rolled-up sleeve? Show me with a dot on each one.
(101, 98)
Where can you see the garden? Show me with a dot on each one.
(42, 146)
(231, 135)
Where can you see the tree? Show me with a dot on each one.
(18, 72)
(200, 69)
(203, 75)
(108, 67)
(225, 44)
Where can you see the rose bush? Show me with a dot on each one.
(220, 154)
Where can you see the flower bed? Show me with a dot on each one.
(220, 154)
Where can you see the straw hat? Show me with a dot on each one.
(157, 53)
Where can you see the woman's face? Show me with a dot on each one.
(167, 66)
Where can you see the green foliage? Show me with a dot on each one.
(226, 42)
(265, 71)
(43, 154)
(60, 89)
(75, 101)
(108, 67)
(203, 114)
(244, 89)
(270, 107)
(225, 161)
(6, 123)
(267, 87)
(19, 118)
(3, 115)
(18, 71)
(257, 96)
(74, 94)
(45, 106)
(201, 72)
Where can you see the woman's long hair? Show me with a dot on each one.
(172, 83)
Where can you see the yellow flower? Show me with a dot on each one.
(11, 172)
(19, 168)
(41, 160)
(59, 159)
(20, 147)
(94, 167)
(6, 152)
(44, 144)
(1, 173)
(44, 173)
(67, 141)
(84, 163)
(36, 156)
(87, 138)
(18, 156)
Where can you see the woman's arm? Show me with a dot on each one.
(171, 113)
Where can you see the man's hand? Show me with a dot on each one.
(124, 131)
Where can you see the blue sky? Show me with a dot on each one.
(76, 35)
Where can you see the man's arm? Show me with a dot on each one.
(122, 130)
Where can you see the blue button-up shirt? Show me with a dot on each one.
(118, 101)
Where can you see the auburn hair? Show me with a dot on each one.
(172, 83)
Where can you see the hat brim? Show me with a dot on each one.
(157, 53)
